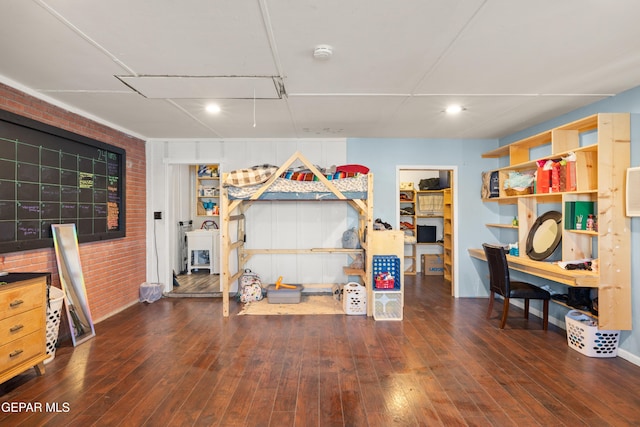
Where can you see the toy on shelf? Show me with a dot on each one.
(207, 171)
(279, 284)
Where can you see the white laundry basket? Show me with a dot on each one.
(584, 336)
(54, 311)
(354, 298)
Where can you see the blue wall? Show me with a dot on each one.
(383, 156)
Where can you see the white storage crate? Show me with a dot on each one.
(354, 298)
(584, 336)
(387, 305)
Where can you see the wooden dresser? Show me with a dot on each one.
(23, 311)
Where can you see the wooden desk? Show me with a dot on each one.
(547, 270)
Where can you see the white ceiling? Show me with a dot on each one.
(149, 67)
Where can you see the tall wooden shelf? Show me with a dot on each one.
(430, 212)
(600, 178)
(447, 238)
(207, 190)
(421, 207)
(408, 225)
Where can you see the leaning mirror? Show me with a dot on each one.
(65, 241)
(544, 236)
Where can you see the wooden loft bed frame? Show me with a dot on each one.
(234, 211)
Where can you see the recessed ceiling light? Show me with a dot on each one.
(213, 108)
(454, 109)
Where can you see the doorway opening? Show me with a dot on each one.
(189, 277)
(426, 213)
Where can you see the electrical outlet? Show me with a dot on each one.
(157, 215)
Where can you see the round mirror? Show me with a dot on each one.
(544, 236)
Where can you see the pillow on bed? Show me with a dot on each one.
(353, 169)
(252, 176)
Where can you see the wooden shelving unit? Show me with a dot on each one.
(408, 216)
(448, 240)
(207, 190)
(430, 212)
(600, 169)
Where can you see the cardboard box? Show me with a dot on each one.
(432, 265)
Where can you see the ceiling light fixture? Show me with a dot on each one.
(454, 109)
(213, 108)
(322, 52)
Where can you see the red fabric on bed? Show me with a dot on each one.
(353, 169)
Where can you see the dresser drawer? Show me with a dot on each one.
(18, 299)
(21, 350)
(21, 324)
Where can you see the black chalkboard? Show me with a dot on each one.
(52, 176)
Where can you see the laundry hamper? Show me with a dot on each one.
(354, 297)
(54, 311)
(584, 336)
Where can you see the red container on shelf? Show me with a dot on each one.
(385, 283)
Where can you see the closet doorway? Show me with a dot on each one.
(181, 218)
(427, 213)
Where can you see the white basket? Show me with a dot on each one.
(54, 311)
(354, 298)
(387, 305)
(584, 336)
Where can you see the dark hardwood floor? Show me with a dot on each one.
(178, 362)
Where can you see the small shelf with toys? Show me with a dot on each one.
(207, 190)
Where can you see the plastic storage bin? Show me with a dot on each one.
(386, 264)
(54, 312)
(354, 298)
(284, 295)
(150, 292)
(387, 305)
(584, 336)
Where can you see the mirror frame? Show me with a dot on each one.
(540, 256)
(65, 241)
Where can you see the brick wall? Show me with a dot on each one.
(113, 270)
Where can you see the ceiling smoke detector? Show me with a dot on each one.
(323, 52)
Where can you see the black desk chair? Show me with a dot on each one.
(500, 283)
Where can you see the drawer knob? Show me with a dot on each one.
(16, 328)
(16, 303)
(16, 353)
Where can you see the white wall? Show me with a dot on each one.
(283, 225)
